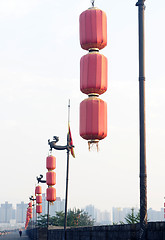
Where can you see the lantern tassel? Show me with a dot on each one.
(92, 144)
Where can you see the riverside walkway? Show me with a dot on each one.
(15, 236)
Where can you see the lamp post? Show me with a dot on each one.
(67, 147)
(143, 173)
(40, 180)
(33, 205)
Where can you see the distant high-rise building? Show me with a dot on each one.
(90, 209)
(105, 218)
(154, 215)
(44, 204)
(21, 212)
(57, 206)
(6, 212)
(98, 216)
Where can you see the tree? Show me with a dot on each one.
(75, 217)
(42, 221)
(131, 218)
(79, 217)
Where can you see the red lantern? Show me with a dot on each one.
(51, 194)
(50, 162)
(38, 190)
(93, 119)
(50, 178)
(29, 215)
(93, 73)
(30, 204)
(39, 208)
(93, 29)
(38, 199)
(30, 210)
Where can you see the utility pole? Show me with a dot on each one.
(143, 173)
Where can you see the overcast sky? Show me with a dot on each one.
(39, 71)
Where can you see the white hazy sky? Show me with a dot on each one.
(39, 72)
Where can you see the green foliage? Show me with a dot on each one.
(118, 223)
(75, 217)
(42, 221)
(131, 218)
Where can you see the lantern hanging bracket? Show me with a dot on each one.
(39, 179)
(52, 144)
(93, 2)
(32, 198)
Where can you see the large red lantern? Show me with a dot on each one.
(93, 119)
(50, 162)
(51, 194)
(93, 29)
(50, 178)
(38, 190)
(39, 208)
(93, 73)
(39, 199)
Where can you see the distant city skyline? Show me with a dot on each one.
(11, 216)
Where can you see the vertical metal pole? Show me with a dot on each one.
(36, 225)
(33, 219)
(67, 175)
(143, 173)
(48, 222)
(66, 196)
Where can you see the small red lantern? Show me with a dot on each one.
(39, 199)
(39, 208)
(30, 210)
(93, 29)
(93, 119)
(50, 162)
(38, 190)
(29, 215)
(93, 73)
(50, 178)
(51, 194)
(30, 204)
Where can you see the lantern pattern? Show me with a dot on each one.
(93, 75)
(51, 178)
(38, 192)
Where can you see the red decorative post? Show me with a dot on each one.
(93, 75)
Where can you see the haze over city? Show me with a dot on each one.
(39, 71)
